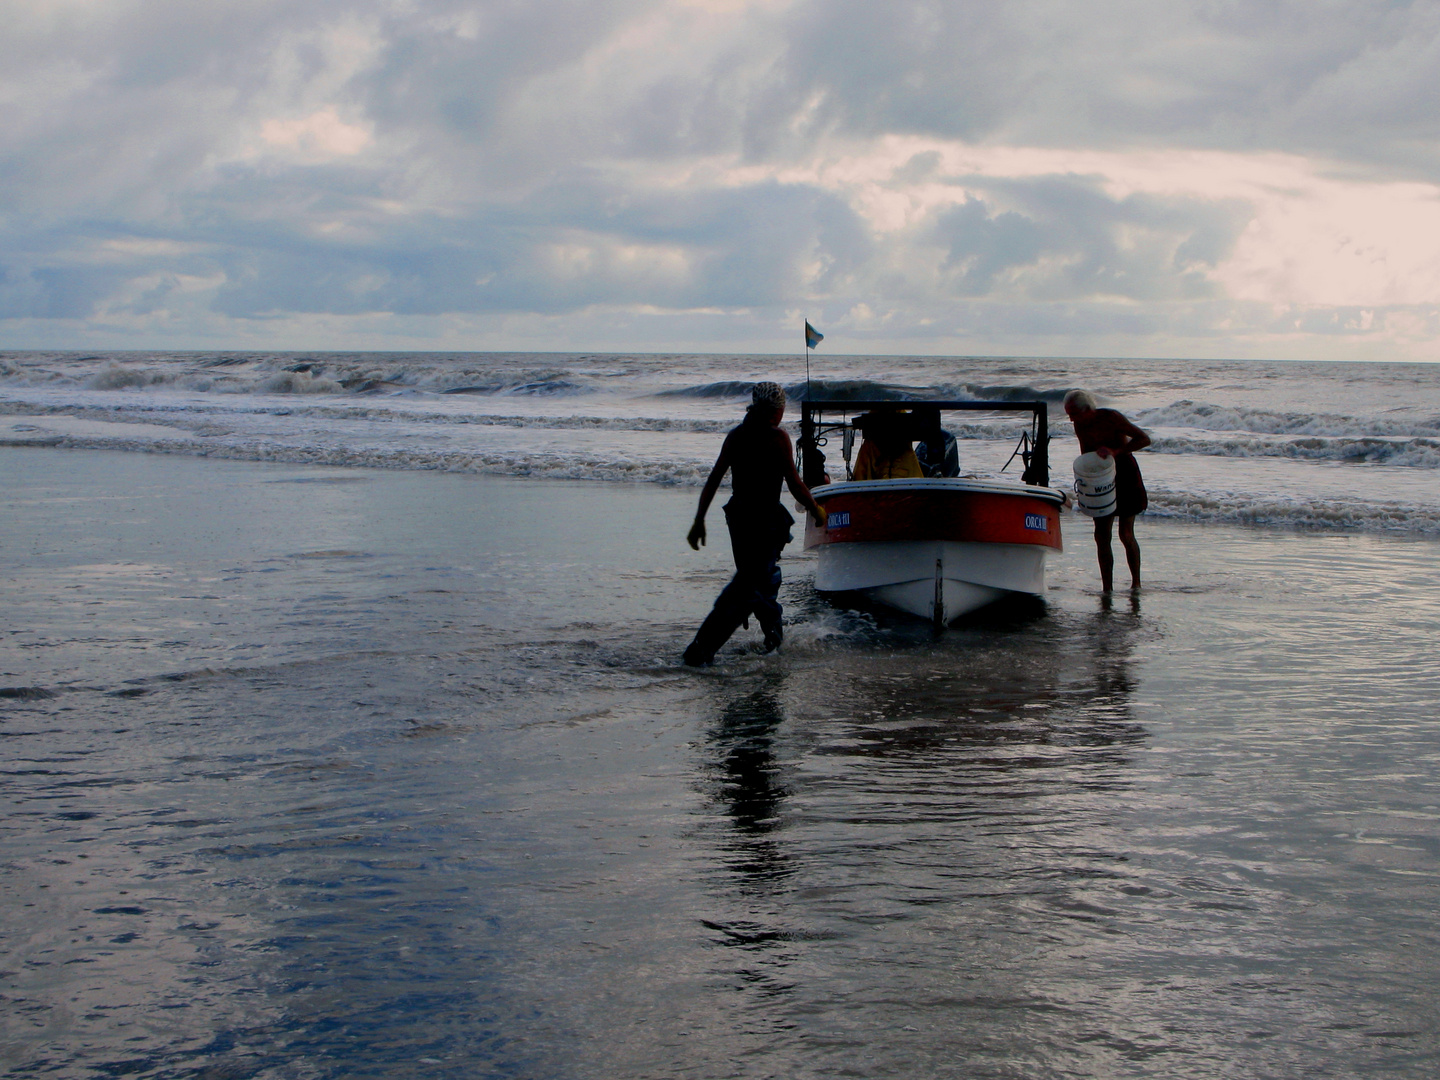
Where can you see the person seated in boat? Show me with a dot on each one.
(935, 447)
(814, 459)
(885, 453)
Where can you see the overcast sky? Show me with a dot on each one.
(1216, 178)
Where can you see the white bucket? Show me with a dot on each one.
(1095, 485)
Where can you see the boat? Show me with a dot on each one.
(939, 547)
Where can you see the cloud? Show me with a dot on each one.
(1335, 78)
(320, 136)
(1033, 176)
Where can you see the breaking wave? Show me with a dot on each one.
(983, 392)
(1191, 414)
(299, 382)
(854, 390)
(286, 374)
(1296, 513)
(1411, 453)
(861, 390)
(730, 388)
(868, 390)
(119, 378)
(815, 390)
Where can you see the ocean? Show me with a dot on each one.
(1246, 442)
(344, 735)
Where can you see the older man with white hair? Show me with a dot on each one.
(1108, 434)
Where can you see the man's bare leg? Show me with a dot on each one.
(1104, 553)
(1132, 549)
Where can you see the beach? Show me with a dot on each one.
(364, 707)
(319, 770)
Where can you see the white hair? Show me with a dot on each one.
(1082, 400)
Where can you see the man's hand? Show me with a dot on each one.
(697, 534)
(820, 515)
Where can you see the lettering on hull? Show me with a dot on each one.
(936, 514)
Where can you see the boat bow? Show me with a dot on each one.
(937, 548)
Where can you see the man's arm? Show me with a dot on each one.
(795, 484)
(696, 536)
(1135, 439)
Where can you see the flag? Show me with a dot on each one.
(813, 337)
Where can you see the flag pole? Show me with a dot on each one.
(806, 334)
(811, 461)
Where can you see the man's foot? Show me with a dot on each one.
(696, 658)
(773, 637)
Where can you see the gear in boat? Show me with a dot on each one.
(937, 546)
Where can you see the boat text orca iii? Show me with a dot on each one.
(933, 545)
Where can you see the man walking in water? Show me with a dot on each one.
(759, 456)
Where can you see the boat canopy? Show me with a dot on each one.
(816, 427)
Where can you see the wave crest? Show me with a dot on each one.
(1299, 513)
(1206, 417)
(1410, 453)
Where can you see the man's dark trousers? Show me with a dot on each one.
(756, 540)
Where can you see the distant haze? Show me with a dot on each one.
(1056, 177)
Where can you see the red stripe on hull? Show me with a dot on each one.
(976, 516)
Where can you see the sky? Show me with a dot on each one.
(1211, 178)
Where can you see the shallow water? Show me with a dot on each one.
(334, 773)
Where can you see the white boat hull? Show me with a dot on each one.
(933, 579)
(936, 548)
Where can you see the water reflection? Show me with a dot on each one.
(957, 800)
(1113, 635)
(904, 775)
(1042, 680)
(749, 783)
(994, 710)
